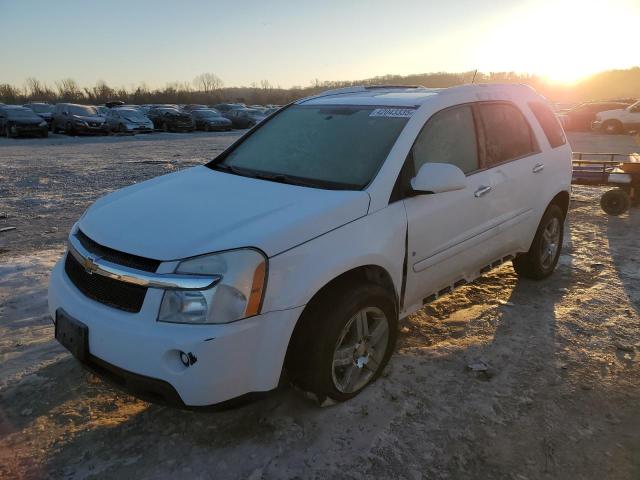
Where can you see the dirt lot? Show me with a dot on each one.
(560, 398)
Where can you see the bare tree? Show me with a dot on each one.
(68, 90)
(207, 82)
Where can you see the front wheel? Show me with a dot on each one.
(343, 343)
(541, 259)
(612, 127)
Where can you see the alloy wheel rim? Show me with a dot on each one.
(550, 243)
(360, 349)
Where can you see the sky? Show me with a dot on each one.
(126, 43)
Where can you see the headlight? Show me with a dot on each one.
(80, 122)
(237, 295)
(42, 124)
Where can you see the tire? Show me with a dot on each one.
(121, 129)
(612, 127)
(615, 202)
(69, 129)
(165, 127)
(328, 332)
(44, 134)
(541, 259)
(7, 131)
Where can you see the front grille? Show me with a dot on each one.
(114, 293)
(115, 256)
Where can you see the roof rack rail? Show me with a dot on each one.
(363, 88)
(382, 87)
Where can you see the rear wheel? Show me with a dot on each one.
(541, 259)
(344, 342)
(7, 130)
(615, 202)
(69, 129)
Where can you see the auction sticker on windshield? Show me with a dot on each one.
(393, 112)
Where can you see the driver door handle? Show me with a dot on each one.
(538, 168)
(482, 191)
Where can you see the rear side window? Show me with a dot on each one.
(549, 123)
(507, 134)
(448, 137)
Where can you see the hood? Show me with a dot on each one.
(199, 210)
(35, 120)
(610, 113)
(89, 118)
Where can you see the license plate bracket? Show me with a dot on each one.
(72, 334)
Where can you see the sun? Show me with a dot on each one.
(563, 41)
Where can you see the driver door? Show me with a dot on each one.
(449, 234)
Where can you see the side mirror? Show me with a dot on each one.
(438, 178)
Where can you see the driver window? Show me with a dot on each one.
(448, 137)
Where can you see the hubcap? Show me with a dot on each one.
(550, 243)
(360, 349)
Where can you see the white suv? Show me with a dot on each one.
(300, 247)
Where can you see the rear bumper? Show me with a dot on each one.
(143, 355)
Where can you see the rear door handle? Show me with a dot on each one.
(482, 191)
(538, 168)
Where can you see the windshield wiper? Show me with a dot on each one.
(223, 167)
(283, 178)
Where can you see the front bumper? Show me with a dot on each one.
(139, 128)
(232, 359)
(19, 130)
(87, 128)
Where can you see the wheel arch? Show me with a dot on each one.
(364, 274)
(562, 200)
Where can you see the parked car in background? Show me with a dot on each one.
(271, 110)
(245, 117)
(580, 117)
(191, 107)
(210, 120)
(619, 120)
(225, 107)
(300, 247)
(114, 103)
(128, 120)
(74, 119)
(170, 119)
(16, 121)
(44, 110)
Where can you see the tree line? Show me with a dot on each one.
(208, 88)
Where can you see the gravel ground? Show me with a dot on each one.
(554, 391)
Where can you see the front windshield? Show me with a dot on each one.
(331, 146)
(132, 115)
(41, 108)
(82, 110)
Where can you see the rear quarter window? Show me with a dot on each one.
(549, 123)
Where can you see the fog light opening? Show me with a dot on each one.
(188, 359)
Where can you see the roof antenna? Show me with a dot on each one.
(474, 76)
